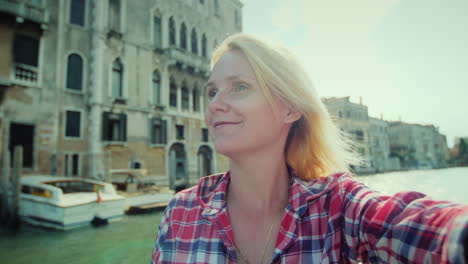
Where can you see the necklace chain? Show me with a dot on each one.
(263, 251)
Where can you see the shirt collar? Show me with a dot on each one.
(212, 192)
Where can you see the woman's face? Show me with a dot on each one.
(239, 117)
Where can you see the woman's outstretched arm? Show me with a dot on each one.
(407, 227)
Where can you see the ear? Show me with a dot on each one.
(292, 115)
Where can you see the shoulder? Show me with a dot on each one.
(193, 200)
(335, 182)
(182, 203)
(337, 188)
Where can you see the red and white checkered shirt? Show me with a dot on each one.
(329, 220)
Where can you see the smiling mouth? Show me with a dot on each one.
(224, 124)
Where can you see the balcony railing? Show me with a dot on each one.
(32, 12)
(25, 74)
(188, 59)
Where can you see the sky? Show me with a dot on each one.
(407, 59)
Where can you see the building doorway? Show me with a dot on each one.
(178, 176)
(22, 135)
(205, 161)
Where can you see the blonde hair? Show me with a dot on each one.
(315, 147)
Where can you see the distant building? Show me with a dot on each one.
(380, 147)
(89, 86)
(417, 146)
(459, 152)
(353, 119)
(388, 146)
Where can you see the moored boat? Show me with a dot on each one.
(68, 202)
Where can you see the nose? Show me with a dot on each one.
(218, 103)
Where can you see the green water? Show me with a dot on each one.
(129, 241)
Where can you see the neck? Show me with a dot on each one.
(259, 183)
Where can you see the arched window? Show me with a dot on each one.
(172, 32)
(183, 36)
(156, 83)
(204, 45)
(75, 72)
(194, 39)
(195, 100)
(77, 12)
(178, 176)
(185, 97)
(117, 78)
(157, 31)
(172, 94)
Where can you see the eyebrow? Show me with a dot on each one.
(230, 78)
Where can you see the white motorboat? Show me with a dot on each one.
(68, 202)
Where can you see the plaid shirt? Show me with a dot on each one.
(328, 220)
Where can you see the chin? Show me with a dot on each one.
(228, 148)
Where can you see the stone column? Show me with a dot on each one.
(190, 91)
(97, 90)
(164, 99)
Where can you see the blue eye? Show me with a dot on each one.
(241, 87)
(212, 92)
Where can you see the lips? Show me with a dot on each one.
(220, 124)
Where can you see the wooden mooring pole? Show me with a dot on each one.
(17, 173)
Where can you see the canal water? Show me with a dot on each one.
(131, 240)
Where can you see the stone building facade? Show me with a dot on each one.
(379, 145)
(92, 86)
(418, 146)
(353, 119)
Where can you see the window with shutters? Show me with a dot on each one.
(77, 12)
(114, 127)
(180, 132)
(75, 72)
(73, 124)
(25, 59)
(158, 131)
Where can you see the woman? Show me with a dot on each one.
(282, 201)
